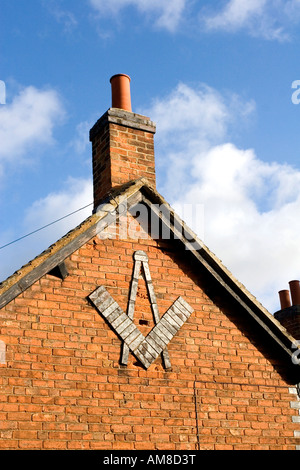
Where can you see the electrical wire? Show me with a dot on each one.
(45, 226)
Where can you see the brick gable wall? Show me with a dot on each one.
(61, 382)
(61, 386)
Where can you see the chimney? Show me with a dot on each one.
(295, 292)
(285, 299)
(289, 315)
(122, 143)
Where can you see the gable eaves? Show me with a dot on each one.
(56, 254)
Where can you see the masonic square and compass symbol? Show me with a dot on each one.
(145, 349)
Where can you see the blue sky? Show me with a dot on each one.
(216, 77)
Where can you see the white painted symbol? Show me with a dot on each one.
(146, 350)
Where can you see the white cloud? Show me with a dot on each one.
(189, 121)
(269, 19)
(167, 13)
(203, 110)
(250, 216)
(237, 13)
(292, 9)
(81, 142)
(250, 206)
(77, 194)
(64, 17)
(27, 121)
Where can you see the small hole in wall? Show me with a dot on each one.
(298, 389)
(144, 322)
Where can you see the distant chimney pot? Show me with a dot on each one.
(295, 292)
(285, 299)
(289, 315)
(120, 91)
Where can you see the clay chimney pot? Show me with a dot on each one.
(285, 299)
(120, 90)
(295, 292)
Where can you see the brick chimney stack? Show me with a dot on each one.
(289, 315)
(122, 143)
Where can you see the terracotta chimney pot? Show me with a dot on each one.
(122, 144)
(120, 90)
(295, 292)
(285, 299)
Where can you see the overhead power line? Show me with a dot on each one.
(45, 226)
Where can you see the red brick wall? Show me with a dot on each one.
(62, 386)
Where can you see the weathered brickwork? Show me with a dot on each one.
(123, 150)
(62, 387)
